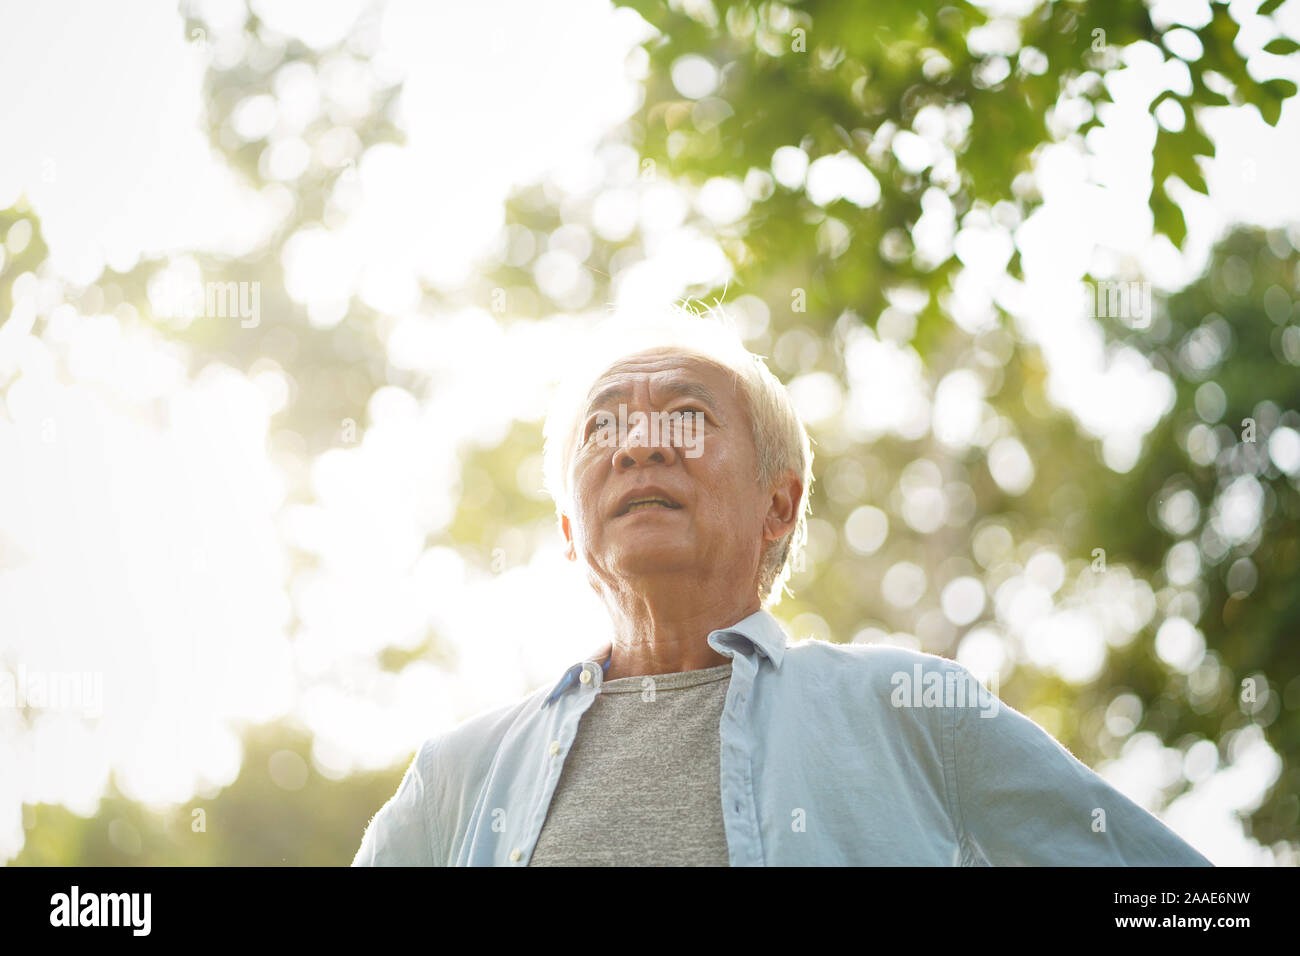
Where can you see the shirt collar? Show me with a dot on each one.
(572, 676)
(759, 631)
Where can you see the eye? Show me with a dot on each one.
(592, 423)
(698, 416)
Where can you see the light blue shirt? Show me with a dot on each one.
(830, 754)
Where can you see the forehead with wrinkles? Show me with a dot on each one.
(672, 373)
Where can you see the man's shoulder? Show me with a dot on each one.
(842, 686)
(813, 656)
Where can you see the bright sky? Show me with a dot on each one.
(152, 545)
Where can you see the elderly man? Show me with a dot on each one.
(699, 735)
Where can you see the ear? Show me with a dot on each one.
(783, 507)
(571, 552)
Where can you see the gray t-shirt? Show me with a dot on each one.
(641, 784)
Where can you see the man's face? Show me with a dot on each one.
(716, 531)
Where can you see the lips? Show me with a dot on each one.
(646, 499)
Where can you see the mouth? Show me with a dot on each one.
(647, 503)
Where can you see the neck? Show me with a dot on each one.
(669, 635)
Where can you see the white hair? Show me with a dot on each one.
(780, 440)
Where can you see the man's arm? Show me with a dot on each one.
(1024, 800)
(402, 832)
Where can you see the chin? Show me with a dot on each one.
(652, 561)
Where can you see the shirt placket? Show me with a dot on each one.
(739, 810)
(560, 732)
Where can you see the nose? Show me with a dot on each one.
(649, 439)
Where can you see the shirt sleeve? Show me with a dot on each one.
(1022, 799)
(401, 833)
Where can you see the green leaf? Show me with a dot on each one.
(1176, 153)
(1268, 6)
(1191, 174)
(1168, 216)
(1274, 93)
(1281, 46)
(1208, 97)
(1194, 139)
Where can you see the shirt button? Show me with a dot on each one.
(585, 676)
(555, 747)
(514, 856)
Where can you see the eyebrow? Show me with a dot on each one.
(678, 389)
